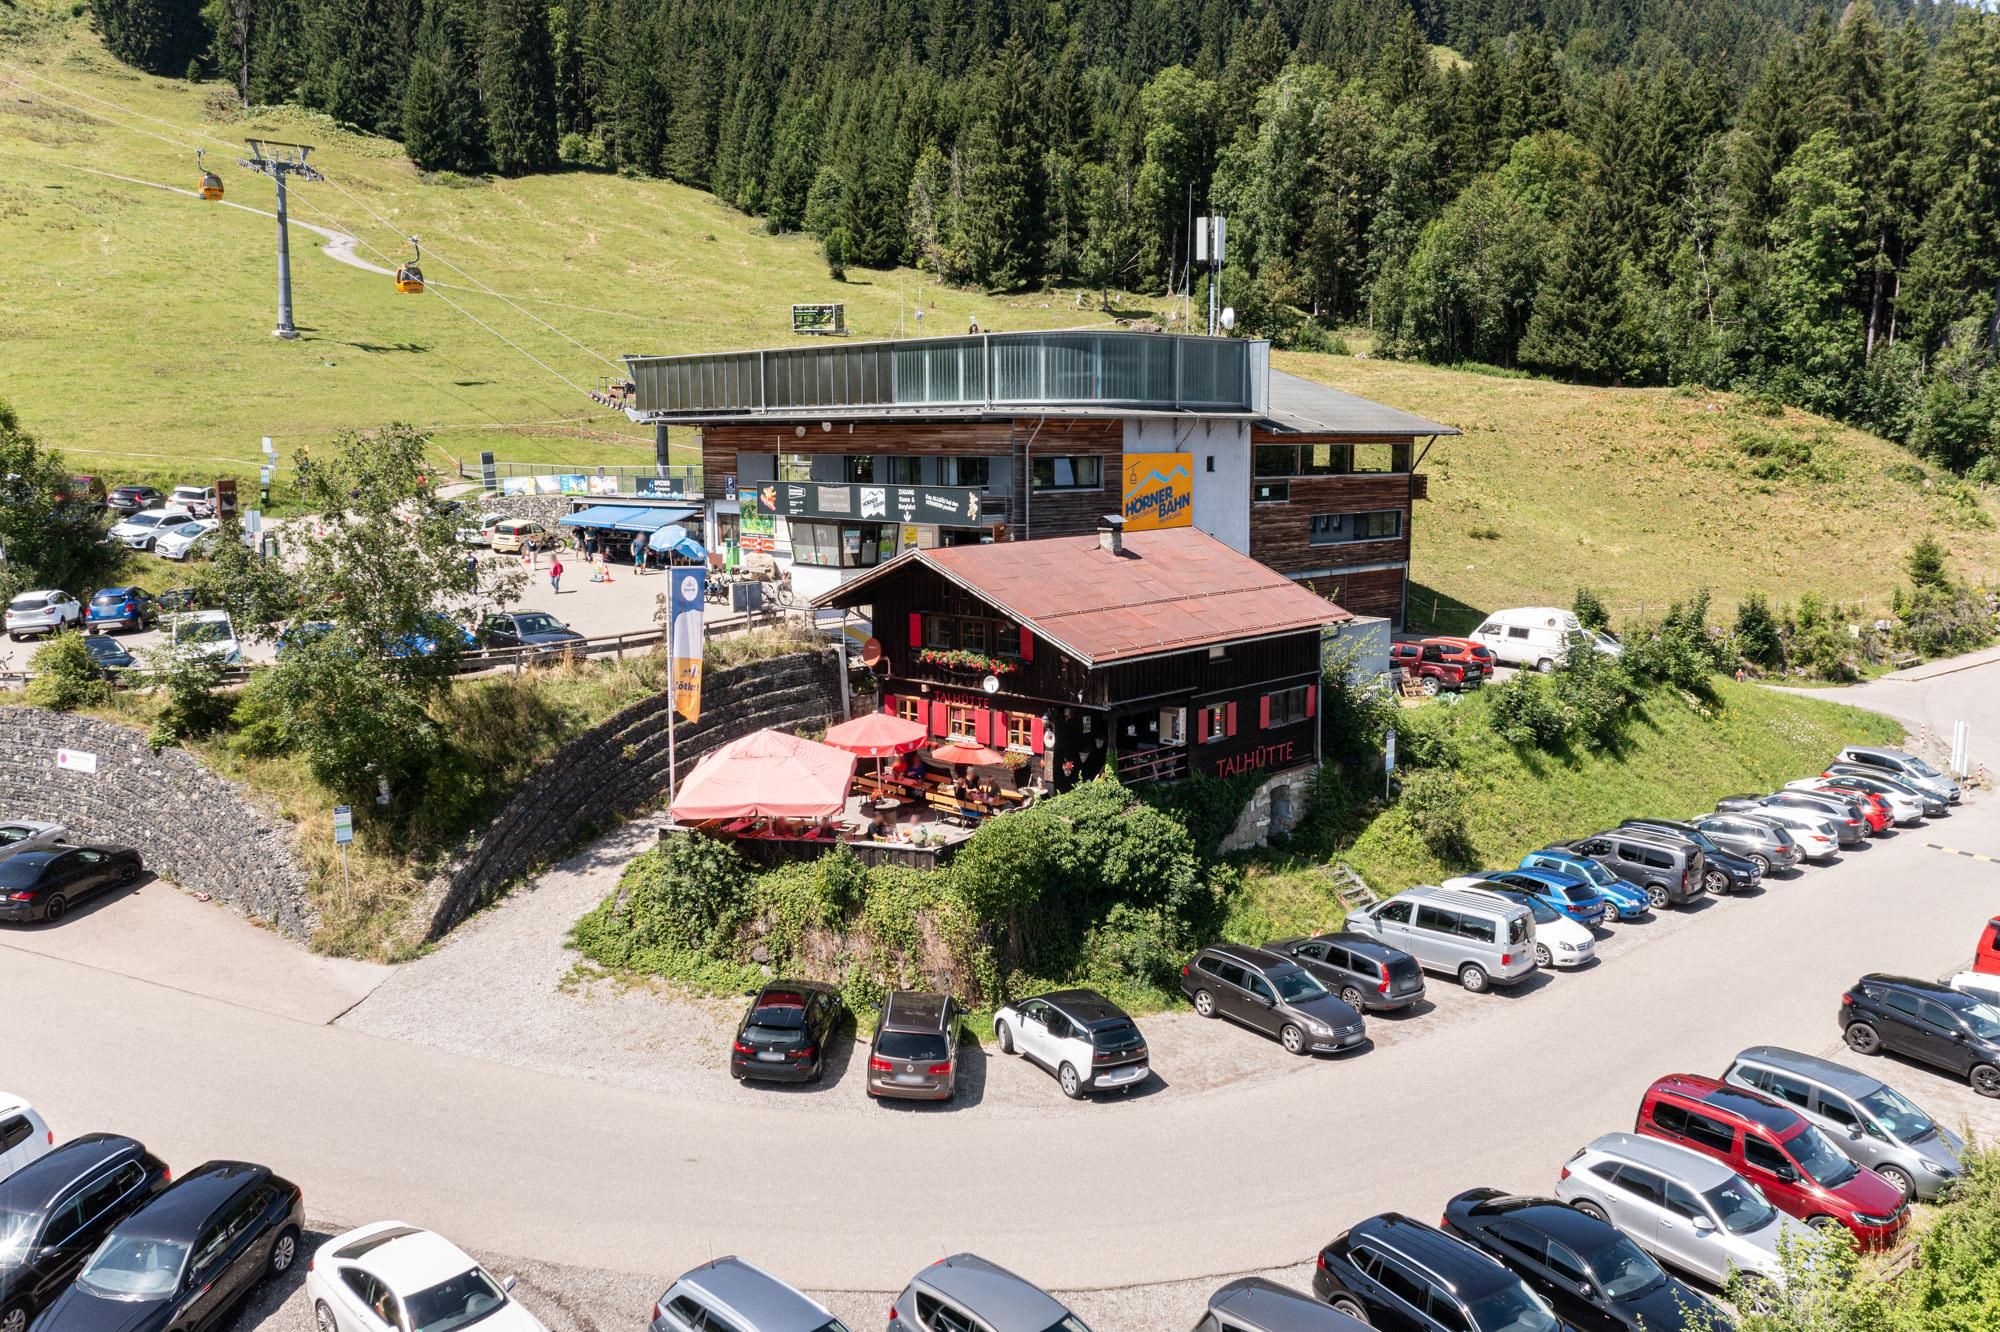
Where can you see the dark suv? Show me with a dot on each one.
(1668, 870)
(784, 1034)
(1390, 1271)
(1366, 973)
(1723, 871)
(1765, 844)
(1595, 1278)
(132, 499)
(1926, 1021)
(1269, 992)
(60, 1207)
(914, 1055)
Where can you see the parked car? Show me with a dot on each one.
(178, 599)
(1871, 1121)
(45, 612)
(57, 1208)
(1688, 1210)
(479, 532)
(1723, 871)
(132, 499)
(209, 634)
(1559, 941)
(109, 655)
(1883, 782)
(1427, 666)
(434, 632)
(1269, 992)
(1904, 767)
(195, 501)
(392, 1277)
(1877, 810)
(1540, 636)
(296, 636)
(89, 489)
(1081, 1038)
(1252, 1304)
(41, 885)
(1629, 900)
(189, 1256)
(1671, 872)
(914, 1052)
(1922, 1019)
(1366, 973)
(121, 608)
(536, 629)
(1480, 941)
(731, 1295)
(1906, 805)
(515, 535)
(1766, 845)
(1587, 1270)
(184, 541)
(18, 835)
(1466, 652)
(24, 1134)
(1850, 824)
(1390, 1271)
(1791, 1162)
(141, 530)
(1816, 836)
(785, 1032)
(1572, 897)
(967, 1292)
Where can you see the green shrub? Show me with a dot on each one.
(1951, 1287)
(688, 893)
(1435, 805)
(1310, 336)
(1427, 738)
(1757, 637)
(1590, 612)
(1208, 807)
(1131, 945)
(1526, 712)
(194, 707)
(66, 676)
(1354, 713)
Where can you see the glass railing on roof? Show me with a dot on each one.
(1146, 371)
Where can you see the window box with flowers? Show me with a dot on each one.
(962, 662)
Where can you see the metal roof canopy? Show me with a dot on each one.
(627, 517)
(1303, 407)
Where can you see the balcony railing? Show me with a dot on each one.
(1143, 371)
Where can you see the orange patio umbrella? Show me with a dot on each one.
(878, 735)
(767, 774)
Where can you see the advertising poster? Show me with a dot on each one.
(758, 532)
(1159, 491)
(686, 639)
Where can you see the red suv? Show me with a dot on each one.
(1426, 663)
(1874, 808)
(1791, 1162)
(1464, 652)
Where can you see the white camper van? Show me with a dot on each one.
(1539, 636)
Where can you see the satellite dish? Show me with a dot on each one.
(1228, 316)
(871, 653)
(991, 684)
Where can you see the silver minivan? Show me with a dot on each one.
(1482, 941)
(1866, 1118)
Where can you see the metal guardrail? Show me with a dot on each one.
(685, 472)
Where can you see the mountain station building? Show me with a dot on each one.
(835, 458)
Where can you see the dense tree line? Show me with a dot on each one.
(1786, 195)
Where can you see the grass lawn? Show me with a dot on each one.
(1647, 494)
(135, 324)
(1676, 761)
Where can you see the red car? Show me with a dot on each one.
(1987, 957)
(1464, 652)
(1791, 1162)
(1426, 663)
(1875, 811)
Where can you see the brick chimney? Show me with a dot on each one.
(1111, 533)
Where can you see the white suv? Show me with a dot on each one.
(198, 501)
(24, 1135)
(42, 612)
(1083, 1039)
(209, 634)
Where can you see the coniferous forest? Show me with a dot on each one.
(1795, 198)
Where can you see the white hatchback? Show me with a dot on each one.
(1083, 1039)
(24, 1135)
(180, 543)
(391, 1277)
(1559, 941)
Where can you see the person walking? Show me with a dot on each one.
(639, 555)
(555, 573)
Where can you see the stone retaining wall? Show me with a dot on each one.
(192, 827)
(620, 766)
(1274, 807)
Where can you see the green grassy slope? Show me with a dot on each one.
(1676, 761)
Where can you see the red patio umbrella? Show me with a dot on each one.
(878, 735)
(767, 774)
(969, 753)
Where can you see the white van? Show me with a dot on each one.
(24, 1135)
(1539, 636)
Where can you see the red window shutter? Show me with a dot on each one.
(999, 740)
(1264, 713)
(889, 704)
(1036, 740)
(940, 718)
(982, 726)
(1312, 700)
(916, 630)
(1027, 645)
(923, 717)
(1229, 726)
(1201, 726)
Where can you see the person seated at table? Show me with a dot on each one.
(825, 826)
(784, 828)
(909, 766)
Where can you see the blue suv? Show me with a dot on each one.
(1628, 900)
(1558, 892)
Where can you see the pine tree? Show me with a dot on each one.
(1532, 91)
(443, 128)
(1580, 325)
(517, 86)
(158, 36)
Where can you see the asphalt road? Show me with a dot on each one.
(613, 1180)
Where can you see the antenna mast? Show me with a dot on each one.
(279, 160)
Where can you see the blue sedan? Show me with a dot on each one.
(1628, 900)
(1558, 892)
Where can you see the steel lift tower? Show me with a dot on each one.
(279, 160)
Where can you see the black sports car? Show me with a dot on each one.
(41, 885)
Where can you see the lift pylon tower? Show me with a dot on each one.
(278, 161)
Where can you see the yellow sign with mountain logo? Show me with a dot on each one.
(1159, 491)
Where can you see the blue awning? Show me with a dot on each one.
(648, 519)
(602, 515)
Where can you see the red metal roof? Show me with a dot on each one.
(1165, 592)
